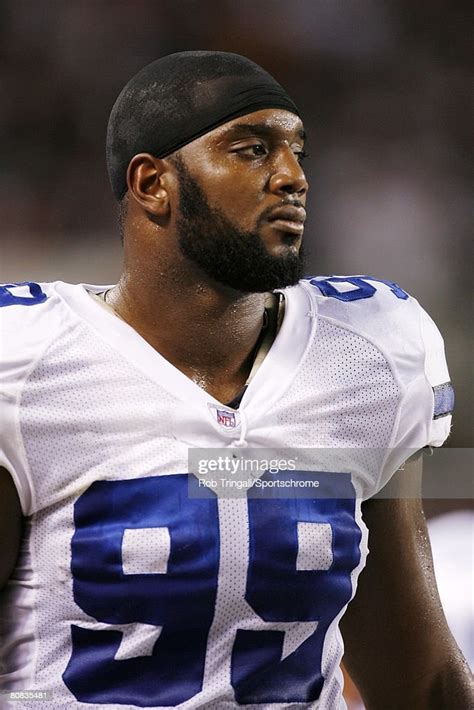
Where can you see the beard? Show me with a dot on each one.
(232, 257)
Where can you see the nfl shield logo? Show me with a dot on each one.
(226, 418)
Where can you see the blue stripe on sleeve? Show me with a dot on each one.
(443, 400)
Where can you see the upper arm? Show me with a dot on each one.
(398, 645)
(10, 525)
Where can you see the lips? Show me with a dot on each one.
(288, 219)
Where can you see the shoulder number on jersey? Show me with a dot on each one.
(26, 293)
(354, 288)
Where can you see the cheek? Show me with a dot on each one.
(242, 201)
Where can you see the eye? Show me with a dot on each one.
(301, 155)
(256, 150)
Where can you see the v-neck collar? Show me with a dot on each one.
(270, 381)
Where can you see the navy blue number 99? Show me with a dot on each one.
(180, 599)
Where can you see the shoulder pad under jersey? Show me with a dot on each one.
(394, 321)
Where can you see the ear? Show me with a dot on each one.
(147, 180)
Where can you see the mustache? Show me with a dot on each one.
(284, 203)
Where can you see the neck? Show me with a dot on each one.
(207, 331)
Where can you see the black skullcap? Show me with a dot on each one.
(180, 97)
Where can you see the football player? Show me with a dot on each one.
(123, 588)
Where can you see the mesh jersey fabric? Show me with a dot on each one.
(89, 407)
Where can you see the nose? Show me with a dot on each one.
(288, 177)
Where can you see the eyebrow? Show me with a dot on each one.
(258, 129)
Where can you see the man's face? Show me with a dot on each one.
(241, 202)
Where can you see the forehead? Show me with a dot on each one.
(274, 122)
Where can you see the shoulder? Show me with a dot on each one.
(29, 314)
(366, 304)
(32, 315)
(30, 319)
(33, 318)
(382, 312)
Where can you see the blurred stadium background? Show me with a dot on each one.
(383, 86)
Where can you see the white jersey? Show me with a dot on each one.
(129, 592)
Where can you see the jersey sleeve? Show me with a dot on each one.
(426, 407)
(437, 375)
(29, 321)
(428, 401)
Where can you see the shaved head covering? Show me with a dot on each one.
(182, 96)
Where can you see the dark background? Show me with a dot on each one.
(383, 86)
